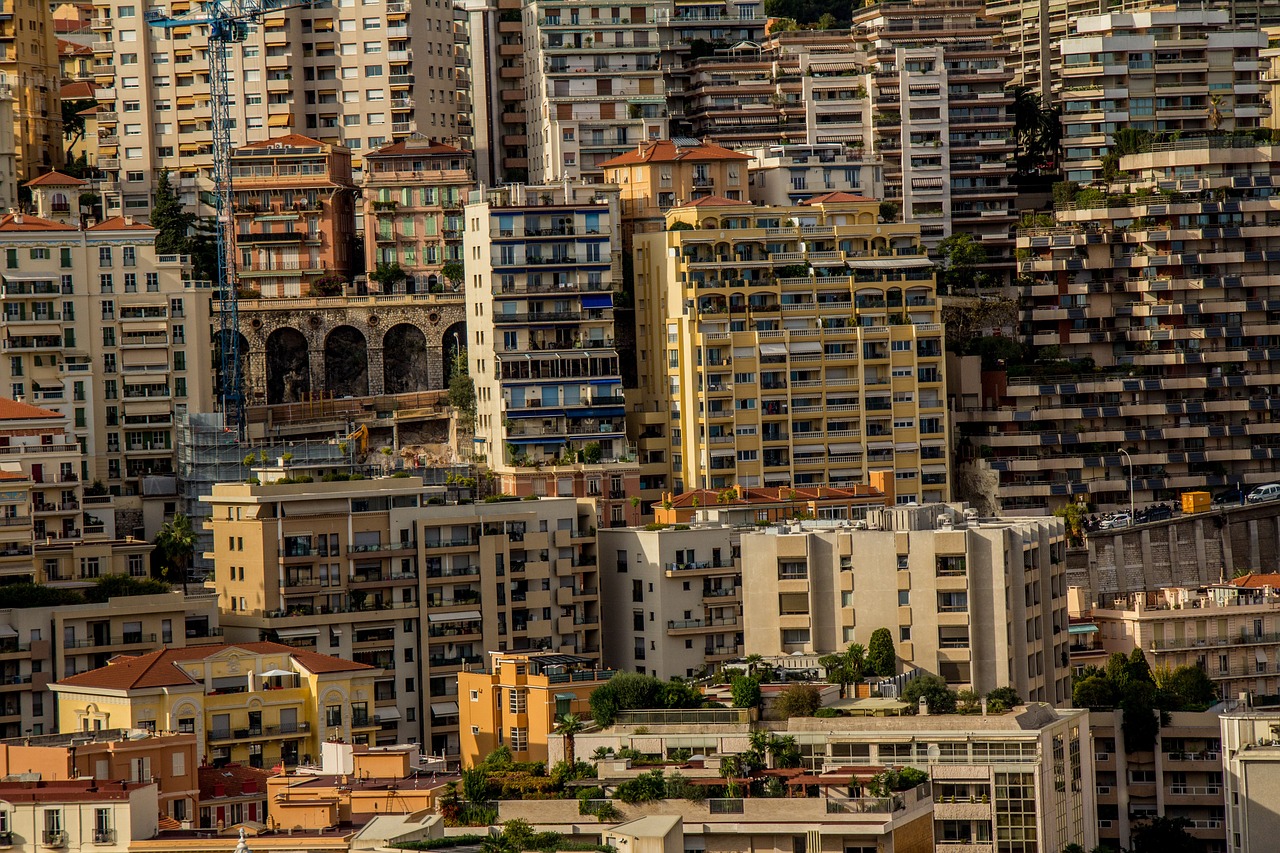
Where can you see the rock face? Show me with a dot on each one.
(348, 346)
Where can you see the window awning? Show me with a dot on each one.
(386, 715)
(773, 349)
(843, 473)
(880, 445)
(1082, 629)
(7, 631)
(809, 448)
(597, 300)
(889, 263)
(934, 469)
(823, 68)
(721, 453)
(806, 346)
(280, 120)
(461, 616)
(295, 633)
(844, 448)
(444, 709)
(1260, 656)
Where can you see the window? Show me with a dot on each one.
(333, 715)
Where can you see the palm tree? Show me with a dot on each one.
(175, 545)
(1215, 112)
(568, 726)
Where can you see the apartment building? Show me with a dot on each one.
(294, 212)
(667, 173)
(56, 196)
(8, 156)
(781, 175)
(597, 84)
(232, 794)
(1155, 300)
(1020, 780)
(41, 644)
(742, 507)
(78, 814)
(357, 76)
(1251, 758)
(518, 700)
(114, 755)
(1031, 30)
(141, 354)
(746, 94)
(1180, 778)
(29, 69)
(981, 603)
(414, 192)
(381, 573)
(252, 703)
(940, 116)
(544, 265)
(1229, 630)
(489, 52)
(1177, 72)
(799, 346)
(680, 590)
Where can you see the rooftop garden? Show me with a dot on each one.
(516, 836)
(17, 596)
(1144, 696)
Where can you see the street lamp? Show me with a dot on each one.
(1129, 459)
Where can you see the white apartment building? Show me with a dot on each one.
(1251, 756)
(358, 73)
(786, 175)
(982, 603)
(78, 814)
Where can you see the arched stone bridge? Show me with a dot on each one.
(348, 346)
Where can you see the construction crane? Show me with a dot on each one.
(228, 22)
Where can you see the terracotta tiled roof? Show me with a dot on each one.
(79, 91)
(666, 151)
(27, 222)
(55, 179)
(12, 410)
(1258, 580)
(425, 147)
(837, 198)
(233, 778)
(715, 201)
(158, 669)
(119, 223)
(294, 140)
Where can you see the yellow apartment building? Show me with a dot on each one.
(796, 346)
(378, 571)
(260, 704)
(666, 173)
(518, 700)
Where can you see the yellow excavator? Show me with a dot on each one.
(362, 433)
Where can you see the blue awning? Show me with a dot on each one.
(612, 411)
(1082, 629)
(541, 439)
(606, 382)
(536, 413)
(602, 300)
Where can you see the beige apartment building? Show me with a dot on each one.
(112, 336)
(982, 603)
(346, 74)
(8, 156)
(596, 87)
(414, 192)
(29, 70)
(1182, 72)
(489, 52)
(544, 266)
(680, 591)
(782, 175)
(1230, 630)
(79, 814)
(381, 572)
(1165, 290)
(657, 176)
(799, 346)
(1251, 759)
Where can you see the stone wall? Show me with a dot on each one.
(1185, 551)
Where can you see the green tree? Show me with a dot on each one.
(633, 690)
(1124, 141)
(1163, 835)
(388, 276)
(939, 698)
(453, 272)
(1072, 515)
(1002, 699)
(1037, 131)
(73, 119)
(568, 727)
(1096, 692)
(882, 659)
(462, 390)
(960, 256)
(1190, 687)
(797, 700)
(889, 211)
(175, 546)
(170, 218)
(745, 691)
(845, 668)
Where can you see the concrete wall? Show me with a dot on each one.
(1185, 551)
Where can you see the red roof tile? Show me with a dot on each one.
(233, 778)
(159, 668)
(12, 410)
(291, 140)
(81, 91)
(119, 223)
(420, 145)
(27, 222)
(837, 198)
(666, 151)
(1258, 580)
(55, 179)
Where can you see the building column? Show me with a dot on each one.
(373, 367)
(315, 360)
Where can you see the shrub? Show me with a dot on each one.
(826, 713)
(799, 700)
(745, 691)
(632, 690)
(939, 698)
(645, 788)
(882, 659)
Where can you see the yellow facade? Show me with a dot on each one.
(518, 701)
(260, 704)
(799, 346)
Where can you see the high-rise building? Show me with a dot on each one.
(788, 346)
(294, 214)
(593, 83)
(982, 604)
(383, 573)
(29, 68)
(102, 329)
(791, 174)
(1185, 72)
(8, 154)
(491, 90)
(543, 267)
(1154, 299)
(414, 192)
(353, 75)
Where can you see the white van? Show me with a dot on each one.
(1269, 492)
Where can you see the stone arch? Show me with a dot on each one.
(405, 360)
(346, 362)
(454, 337)
(218, 337)
(288, 366)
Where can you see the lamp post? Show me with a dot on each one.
(1129, 460)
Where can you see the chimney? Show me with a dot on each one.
(128, 220)
(17, 219)
(924, 707)
(984, 706)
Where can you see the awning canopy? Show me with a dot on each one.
(806, 346)
(1260, 656)
(7, 631)
(275, 673)
(890, 263)
(773, 349)
(1082, 629)
(295, 633)
(809, 448)
(386, 715)
(599, 300)
(844, 448)
(444, 709)
(460, 616)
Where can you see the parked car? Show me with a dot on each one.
(1120, 519)
(1234, 495)
(1269, 492)
(1155, 512)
